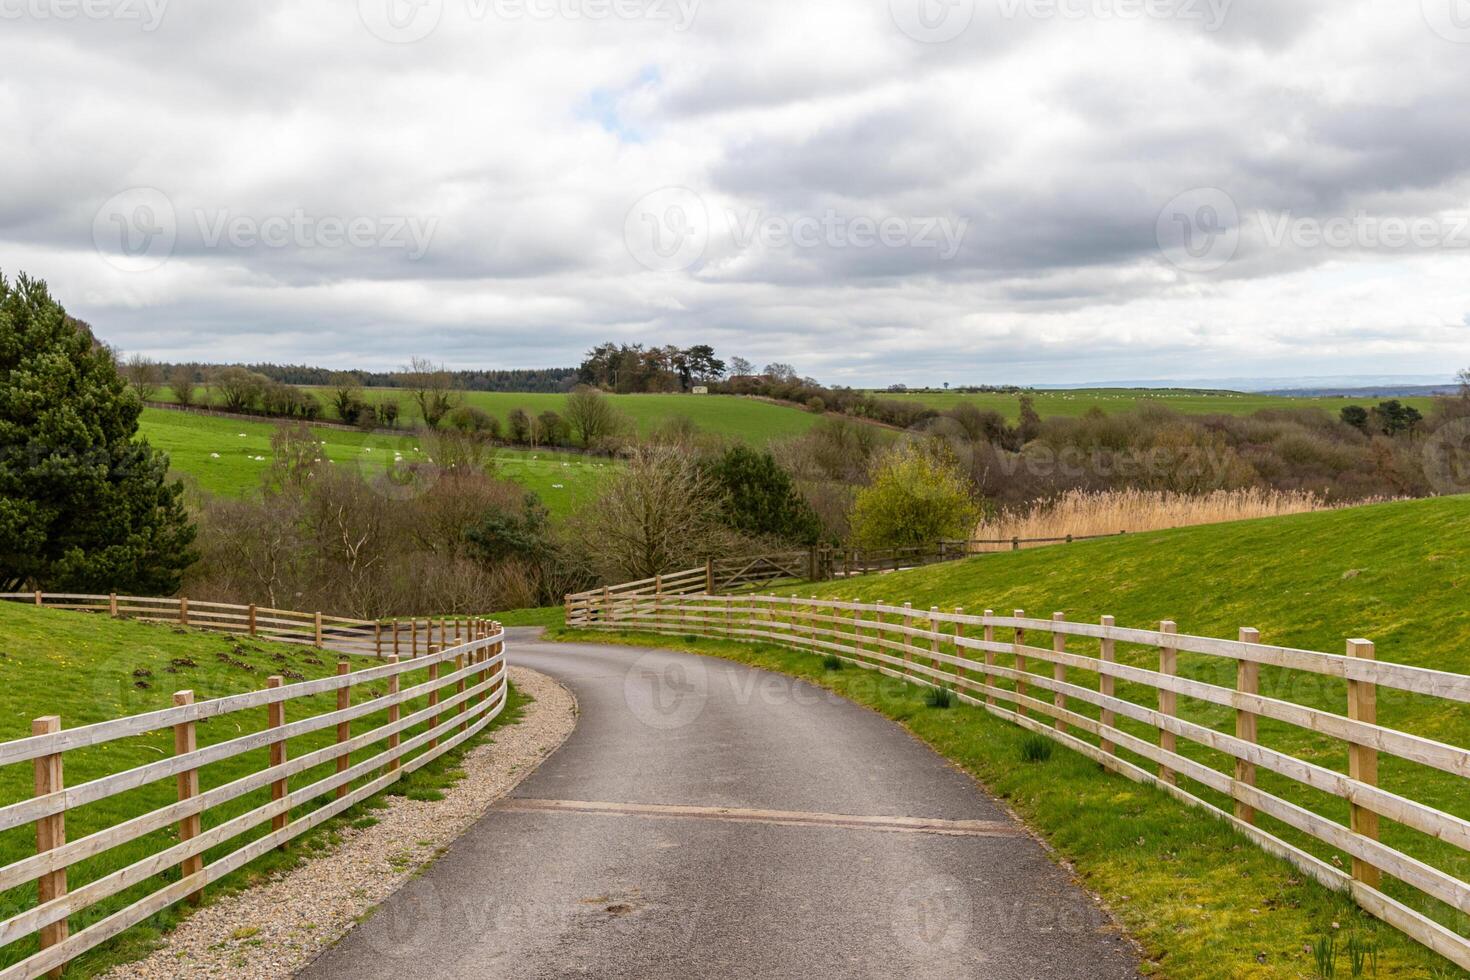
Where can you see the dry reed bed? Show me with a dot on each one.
(1081, 513)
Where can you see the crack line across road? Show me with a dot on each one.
(787, 818)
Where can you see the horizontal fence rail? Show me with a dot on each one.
(420, 704)
(363, 637)
(1128, 718)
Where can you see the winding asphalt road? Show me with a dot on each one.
(710, 820)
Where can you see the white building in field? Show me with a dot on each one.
(699, 390)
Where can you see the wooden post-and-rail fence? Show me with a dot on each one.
(421, 702)
(1114, 694)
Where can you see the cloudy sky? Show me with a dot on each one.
(968, 191)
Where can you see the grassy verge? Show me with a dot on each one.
(544, 616)
(88, 668)
(1202, 900)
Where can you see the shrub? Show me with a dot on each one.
(758, 497)
(918, 497)
(831, 662)
(469, 419)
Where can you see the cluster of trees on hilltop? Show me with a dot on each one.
(633, 368)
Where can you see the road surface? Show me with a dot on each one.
(710, 820)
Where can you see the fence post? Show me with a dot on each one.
(1021, 686)
(1247, 681)
(989, 636)
(709, 577)
(434, 694)
(40, 601)
(393, 713)
(317, 625)
(185, 741)
(1105, 686)
(908, 641)
(112, 605)
(378, 640)
(934, 638)
(344, 728)
(276, 717)
(1168, 701)
(252, 619)
(50, 831)
(395, 637)
(413, 638)
(1059, 671)
(959, 653)
(606, 611)
(183, 610)
(459, 689)
(1362, 760)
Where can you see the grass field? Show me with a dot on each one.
(749, 419)
(1195, 893)
(1076, 402)
(229, 456)
(88, 668)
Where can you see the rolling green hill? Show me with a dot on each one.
(1073, 402)
(228, 456)
(755, 421)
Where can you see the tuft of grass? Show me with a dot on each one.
(1036, 748)
(831, 662)
(938, 697)
(1324, 952)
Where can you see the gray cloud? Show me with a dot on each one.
(520, 149)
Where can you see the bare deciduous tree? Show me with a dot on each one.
(432, 389)
(143, 375)
(660, 514)
(181, 383)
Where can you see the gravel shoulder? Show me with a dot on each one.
(272, 930)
